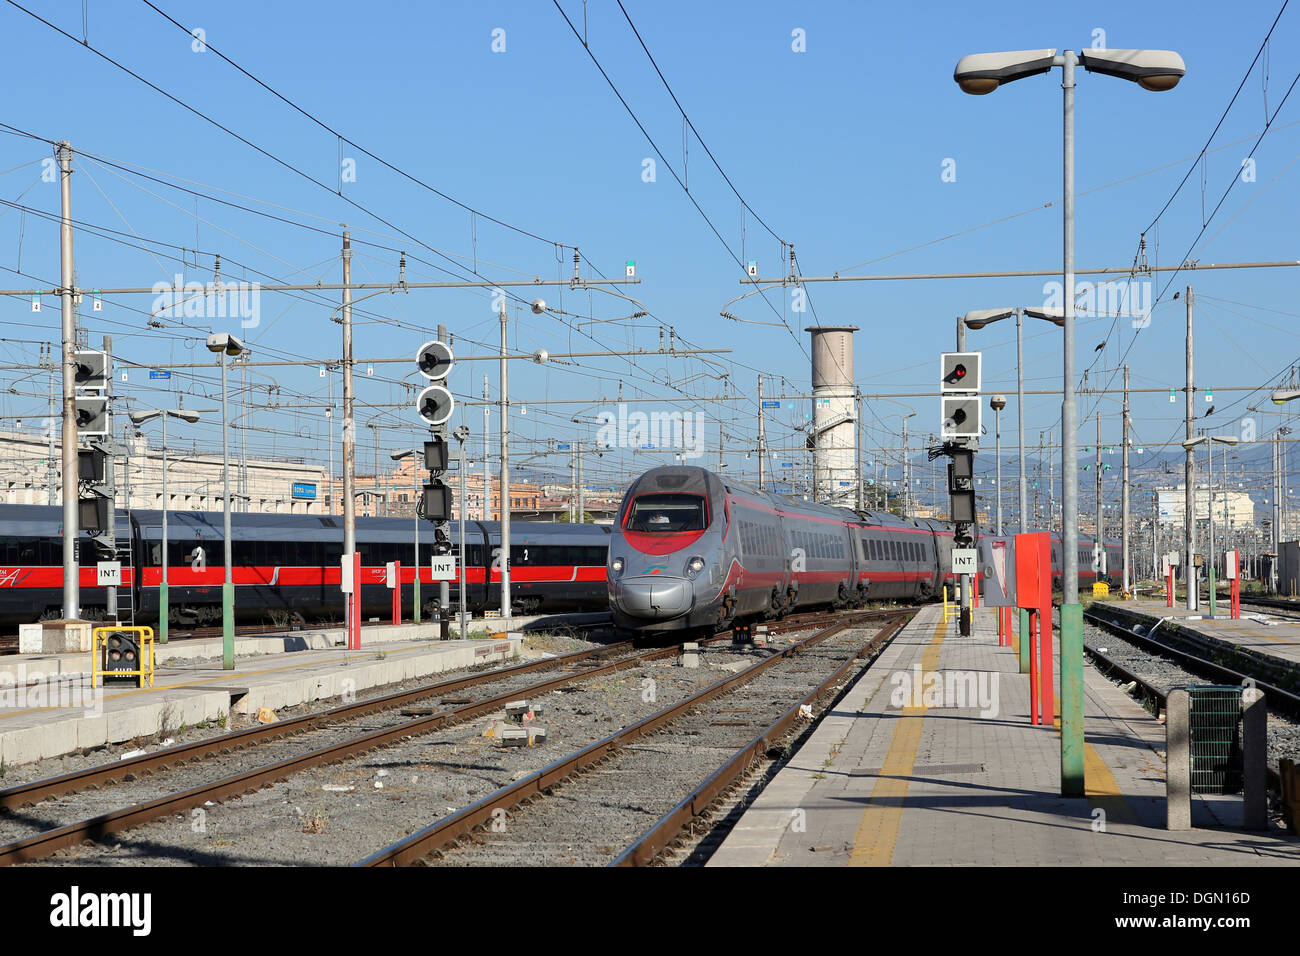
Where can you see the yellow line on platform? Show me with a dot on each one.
(873, 842)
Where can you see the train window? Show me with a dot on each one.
(667, 513)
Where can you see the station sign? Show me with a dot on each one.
(159, 373)
(771, 403)
(304, 490)
(442, 567)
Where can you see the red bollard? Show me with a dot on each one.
(354, 621)
(397, 592)
(1169, 588)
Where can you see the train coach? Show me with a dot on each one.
(286, 567)
(691, 551)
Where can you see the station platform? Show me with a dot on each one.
(1257, 630)
(48, 707)
(889, 778)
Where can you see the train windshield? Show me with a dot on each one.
(667, 514)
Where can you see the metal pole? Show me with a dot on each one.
(110, 476)
(71, 526)
(463, 625)
(857, 452)
(330, 441)
(1098, 528)
(1189, 471)
(47, 361)
(505, 471)
(1071, 639)
(1209, 479)
(415, 523)
(1124, 506)
(907, 475)
(228, 585)
(1023, 523)
(997, 432)
(349, 441)
(582, 488)
(487, 467)
(762, 437)
(573, 484)
(164, 606)
(243, 433)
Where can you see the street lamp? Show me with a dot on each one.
(224, 344)
(997, 403)
(139, 418)
(982, 73)
(978, 319)
(1188, 446)
(415, 511)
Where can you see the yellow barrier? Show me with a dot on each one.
(949, 611)
(99, 638)
(1101, 589)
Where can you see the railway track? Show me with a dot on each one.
(679, 759)
(400, 722)
(1183, 651)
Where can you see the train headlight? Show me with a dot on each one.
(616, 565)
(694, 566)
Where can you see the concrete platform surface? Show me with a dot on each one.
(50, 716)
(895, 776)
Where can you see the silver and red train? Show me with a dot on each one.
(694, 551)
(286, 567)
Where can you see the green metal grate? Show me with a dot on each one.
(1215, 731)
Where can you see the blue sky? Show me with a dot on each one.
(840, 149)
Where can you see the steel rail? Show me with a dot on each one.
(103, 774)
(43, 844)
(461, 824)
(643, 850)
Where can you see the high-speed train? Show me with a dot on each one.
(691, 550)
(286, 567)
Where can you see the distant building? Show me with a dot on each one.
(1171, 507)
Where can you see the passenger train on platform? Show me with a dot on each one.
(286, 568)
(688, 550)
(694, 551)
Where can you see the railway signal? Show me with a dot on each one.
(435, 405)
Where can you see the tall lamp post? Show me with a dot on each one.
(139, 418)
(224, 344)
(997, 403)
(978, 319)
(1188, 446)
(415, 512)
(982, 73)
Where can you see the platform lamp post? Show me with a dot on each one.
(997, 403)
(415, 511)
(1188, 446)
(226, 345)
(982, 73)
(978, 319)
(139, 418)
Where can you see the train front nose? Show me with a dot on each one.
(654, 597)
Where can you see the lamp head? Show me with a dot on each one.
(538, 306)
(225, 342)
(982, 73)
(1154, 70)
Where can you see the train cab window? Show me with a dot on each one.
(667, 514)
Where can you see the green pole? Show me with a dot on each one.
(1024, 640)
(416, 612)
(228, 626)
(162, 612)
(1072, 738)
(1211, 585)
